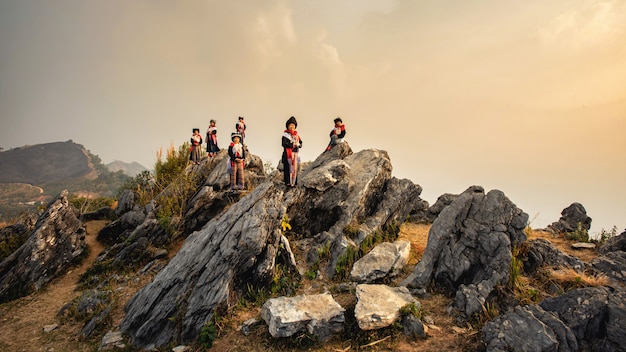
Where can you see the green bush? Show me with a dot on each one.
(579, 235)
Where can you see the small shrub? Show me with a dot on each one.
(579, 235)
(413, 310)
(604, 235)
(208, 334)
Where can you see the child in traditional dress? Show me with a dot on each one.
(292, 143)
(337, 133)
(211, 139)
(237, 155)
(196, 146)
(240, 127)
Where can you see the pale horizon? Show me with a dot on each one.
(528, 98)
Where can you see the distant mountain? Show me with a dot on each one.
(34, 174)
(44, 163)
(130, 169)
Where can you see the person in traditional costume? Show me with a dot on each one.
(240, 127)
(211, 139)
(237, 155)
(292, 143)
(196, 146)
(337, 133)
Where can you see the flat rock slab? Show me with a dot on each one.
(583, 245)
(320, 315)
(378, 306)
(386, 259)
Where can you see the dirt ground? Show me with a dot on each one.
(22, 321)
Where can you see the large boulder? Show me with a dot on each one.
(57, 239)
(570, 219)
(469, 248)
(541, 252)
(528, 328)
(378, 306)
(385, 260)
(319, 315)
(595, 315)
(241, 245)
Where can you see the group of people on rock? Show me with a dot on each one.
(291, 143)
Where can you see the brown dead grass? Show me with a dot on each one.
(565, 245)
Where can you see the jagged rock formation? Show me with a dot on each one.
(613, 259)
(320, 315)
(617, 243)
(540, 252)
(240, 245)
(429, 215)
(469, 247)
(585, 319)
(57, 239)
(528, 328)
(570, 218)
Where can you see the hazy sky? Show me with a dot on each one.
(528, 97)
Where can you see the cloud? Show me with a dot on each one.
(594, 23)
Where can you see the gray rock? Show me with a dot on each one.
(378, 306)
(126, 202)
(412, 326)
(246, 326)
(595, 315)
(241, 245)
(57, 239)
(613, 265)
(541, 252)
(469, 247)
(617, 243)
(570, 218)
(386, 259)
(112, 340)
(528, 328)
(320, 315)
(50, 328)
(583, 245)
(429, 214)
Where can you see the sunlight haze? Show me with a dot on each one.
(526, 97)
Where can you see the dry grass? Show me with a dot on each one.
(565, 245)
(417, 234)
(574, 279)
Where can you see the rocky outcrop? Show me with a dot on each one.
(57, 239)
(528, 328)
(378, 306)
(613, 244)
(570, 218)
(319, 315)
(240, 246)
(541, 252)
(613, 265)
(429, 215)
(595, 315)
(469, 247)
(385, 260)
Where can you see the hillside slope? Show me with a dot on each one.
(44, 163)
